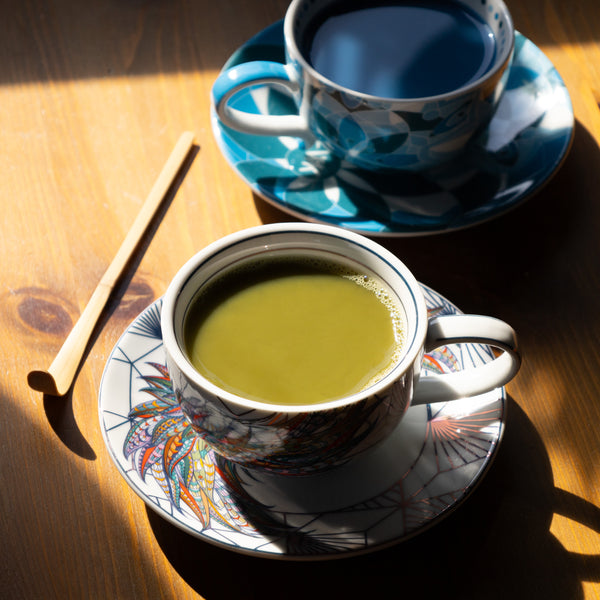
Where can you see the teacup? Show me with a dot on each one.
(385, 84)
(300, 439)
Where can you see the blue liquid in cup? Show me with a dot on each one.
(401, 49)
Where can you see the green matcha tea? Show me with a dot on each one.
(293, 331)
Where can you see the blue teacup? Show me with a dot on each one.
(388, 84)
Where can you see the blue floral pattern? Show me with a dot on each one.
(522, 147)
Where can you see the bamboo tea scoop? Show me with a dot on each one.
(57, 380)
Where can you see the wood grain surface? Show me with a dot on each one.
(93, 96)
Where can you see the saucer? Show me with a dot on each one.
(427, 467)
(524, 144)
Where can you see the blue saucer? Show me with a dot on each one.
(522, 147)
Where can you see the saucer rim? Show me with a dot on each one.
(470, 486)
(388, 228)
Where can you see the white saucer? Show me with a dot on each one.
(520, 150)
(427, 467)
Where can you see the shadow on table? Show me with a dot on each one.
(69, 40)
(499, 538)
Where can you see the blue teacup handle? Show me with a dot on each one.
(252, 74)
(471, 329)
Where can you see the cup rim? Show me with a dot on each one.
(296, 54)
(409, 354)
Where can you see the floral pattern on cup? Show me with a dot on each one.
(429, 134)
(293, 442)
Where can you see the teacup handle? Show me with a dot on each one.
(257, 73)
(471, 329)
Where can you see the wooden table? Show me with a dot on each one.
(93, 96)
